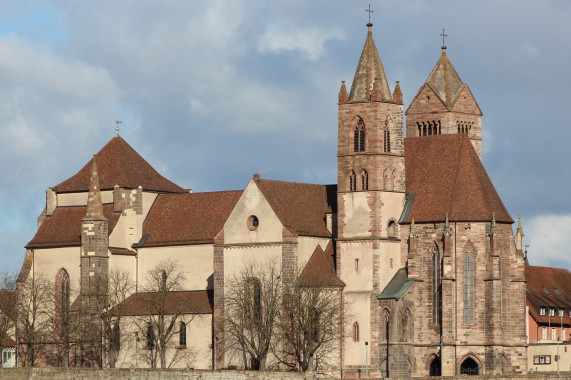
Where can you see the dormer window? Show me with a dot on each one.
(560, 313)
(542, 310)
(551, 312)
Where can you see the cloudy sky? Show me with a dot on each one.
(211, 92)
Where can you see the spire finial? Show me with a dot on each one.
(413, 229)
(370, 11)
(117, 122)
(443, 35)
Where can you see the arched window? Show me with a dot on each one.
(436, 284)
(469, 367)
(352, 181)
(387, 140)
(116, 340)
(359, 137)
(163, 281)
(253, 294)
(365, 180)
(182, 334)
(355, 332)
(392, 229)
(384, 331)
(468, 284)
(62, 301)
(435, 367)
(150, 335)
(315, 324)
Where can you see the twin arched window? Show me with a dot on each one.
(359, 137)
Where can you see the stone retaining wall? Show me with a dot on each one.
(174, 374)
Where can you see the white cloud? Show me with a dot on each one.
(549, 237)
(310, 40)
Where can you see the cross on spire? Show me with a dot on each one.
(370, 11)
(117, 122)
(443, 35)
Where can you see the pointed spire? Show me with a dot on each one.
(369, 70)
(397, 94)
(343, 96)
(519, 235)
(444, 80)
(94, 203)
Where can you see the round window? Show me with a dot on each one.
(253, 222)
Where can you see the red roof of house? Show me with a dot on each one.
(189, 218)
(320, 270)
(300, 207)
(119, 164)
(447, 176)
(183, 302)
(63, 228)
(548, 287)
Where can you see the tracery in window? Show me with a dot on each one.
(352, 181)
(359, 137)
(468, 284)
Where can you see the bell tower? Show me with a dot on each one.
(371, 192)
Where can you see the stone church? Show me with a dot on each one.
(414, 233)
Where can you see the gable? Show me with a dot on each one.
(426, 100)
(466, 103)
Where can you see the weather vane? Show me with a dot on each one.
(370, 11)
(117, 122)
(443, 35)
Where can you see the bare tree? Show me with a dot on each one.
(311, 327)
(7, 307)
(110, 294)
(252, 306)
(163, 313)
(34, 316)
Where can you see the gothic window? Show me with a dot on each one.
(352, 181)
(116, 337)
(469, 367)
(387, 140)
(385, 319)
(419, 129)
(365, 180)
(436, 284)
(253, 290)
(150, 336)
(423, 129)
(391, 229)
(406, 321)
(62, 301)
(182, 334)
(355, 332)
(315, 324)
(468, 285)
(359, 137)
(163, 281)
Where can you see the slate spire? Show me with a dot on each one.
(369, 70)
(94, 203)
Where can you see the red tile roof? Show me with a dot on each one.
(300, 206)
(188, 218)
(448, 177)
(183, 302)
(63, 228)
(121, 165)
(543, 285)
(320, 271)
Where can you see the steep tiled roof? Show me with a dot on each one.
(320, 271)
(369, 70)
(121, 165)
(63, 228)
(184, 302)
(549, 287)
(188, 218)
(447, 176)
(444, 80)
(300, 206)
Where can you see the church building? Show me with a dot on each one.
(414, 236)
